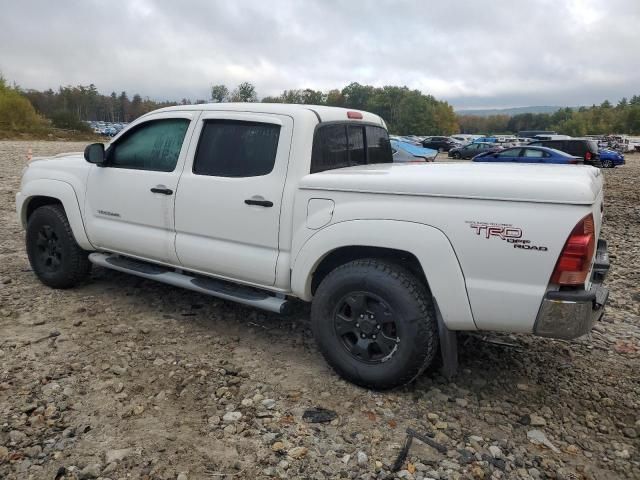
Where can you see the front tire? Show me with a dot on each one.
(54, 255)
(375, 324)
(457, 155)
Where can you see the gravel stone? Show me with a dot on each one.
(112, 456)
(362, 459)
(231, 417)
(124, 342)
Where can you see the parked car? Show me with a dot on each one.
(441, 144)
(464, 138)
(485, 139)
(529, 155)
(610, 158)
(579, 147)
(473, 149)
(230, 200)
(409, 152)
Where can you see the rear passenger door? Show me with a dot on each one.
(228, 201)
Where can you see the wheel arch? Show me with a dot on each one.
(424, 250)
(38, 193)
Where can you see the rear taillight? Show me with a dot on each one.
(587, 156)
(575, 259)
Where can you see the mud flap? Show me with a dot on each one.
(448, 347)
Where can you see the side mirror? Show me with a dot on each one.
(94, 153)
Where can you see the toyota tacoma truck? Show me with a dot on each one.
(263, 203)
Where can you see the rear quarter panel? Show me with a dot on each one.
(506, 250)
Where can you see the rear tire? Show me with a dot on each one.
(457, 155)
(375, 324)
(54, 255)
(607, 163)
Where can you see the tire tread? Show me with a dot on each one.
(79, 265)
(427, 339)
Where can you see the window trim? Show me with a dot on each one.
(133, 129)
(203, 123)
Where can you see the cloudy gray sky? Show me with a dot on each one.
(473, 53)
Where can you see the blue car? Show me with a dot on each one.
(409, 152)
(529, 155)
(610, 158)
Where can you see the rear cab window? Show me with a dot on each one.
(345, 144)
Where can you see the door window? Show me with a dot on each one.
(236, 148)
(511, 152)
(153, 145)
(531, 153)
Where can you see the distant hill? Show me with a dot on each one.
(509, 111)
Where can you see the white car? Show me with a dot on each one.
(260, 203)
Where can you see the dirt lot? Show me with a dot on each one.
(123, 378)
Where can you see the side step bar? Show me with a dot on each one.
(209, 286)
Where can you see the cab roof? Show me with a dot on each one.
(322, 112)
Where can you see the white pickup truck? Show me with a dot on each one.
(261, 203)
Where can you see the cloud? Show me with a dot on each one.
(499, 53)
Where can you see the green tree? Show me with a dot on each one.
(245, 92)
(219, 93)
(16, 112)
(67, 120)
(335, 98)
(356, 95)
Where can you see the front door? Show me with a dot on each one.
(130, 200)
(229, 196)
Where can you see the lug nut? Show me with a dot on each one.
(363, 335)
(357, 325)
(378, 327)
(373, 336)
(361, 315)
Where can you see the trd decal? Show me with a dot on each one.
(497, 231)
(504, 231)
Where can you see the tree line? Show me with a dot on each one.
(404, 110)
(601, 119)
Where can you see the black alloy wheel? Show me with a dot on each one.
(366, 326)
(49, 256)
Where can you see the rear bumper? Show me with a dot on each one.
(570, 314)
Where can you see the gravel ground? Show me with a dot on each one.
(123, 378)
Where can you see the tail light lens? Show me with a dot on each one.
(587, 156)
(575, 259)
